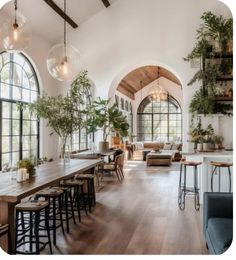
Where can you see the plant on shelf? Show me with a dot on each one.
(217, 30)
(196, 135)
(64, 114)
(27, 164)
(218, 140)
(213, 37)
(208, 138)
(107, 118)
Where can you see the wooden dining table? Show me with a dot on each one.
(12, 192)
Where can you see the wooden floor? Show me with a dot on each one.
(138, 216)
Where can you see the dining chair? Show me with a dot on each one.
(116, 166)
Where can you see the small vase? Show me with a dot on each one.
(64, 150)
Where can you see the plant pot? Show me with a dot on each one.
(205, 146)
(217, 146)
(103, 146)
(199, 147)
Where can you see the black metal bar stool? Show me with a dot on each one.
(67, 206)
(28, 218)
(54, 197)
(78, 194)
(183, 190)
(90, 194)
(219, 165)
(5, 230)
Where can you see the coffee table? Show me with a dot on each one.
(158, 158)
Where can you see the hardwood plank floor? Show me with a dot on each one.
(138, 216)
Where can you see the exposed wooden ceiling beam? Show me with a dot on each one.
(106, 3)
(59, 11)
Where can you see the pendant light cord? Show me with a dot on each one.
(65, 23)
(15, 7)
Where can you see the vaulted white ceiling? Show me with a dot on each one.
(46, 22)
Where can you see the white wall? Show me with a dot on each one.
(130, 34)
(134, 33)
(37, 53)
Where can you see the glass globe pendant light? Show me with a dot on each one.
(15, 34)
(63, 60)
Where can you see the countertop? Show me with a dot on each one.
(209, 154)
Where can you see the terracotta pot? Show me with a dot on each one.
(103, 146)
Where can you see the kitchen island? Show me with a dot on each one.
(205, 170)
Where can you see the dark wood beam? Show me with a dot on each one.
(106, 3)
(59, 11)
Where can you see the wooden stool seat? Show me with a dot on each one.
(190, 163)
(84, 176)
(221, 164)
(73, 182)
(50, 192)
(32, 205)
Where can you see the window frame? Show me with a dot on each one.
(146, 101)
(12, 101)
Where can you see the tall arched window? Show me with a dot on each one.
(159, 120)
(80, 139)
(19, 129)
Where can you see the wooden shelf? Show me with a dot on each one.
(223, 98)
(220, 55)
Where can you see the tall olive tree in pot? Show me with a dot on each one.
(108, 118)
(64, 114)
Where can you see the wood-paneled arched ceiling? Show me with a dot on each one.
(131, 83)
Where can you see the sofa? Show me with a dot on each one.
(172, 148)
(218, 221)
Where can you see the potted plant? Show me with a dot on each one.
(28, 165)
(107, 118)
(64, 114)
(196, 136)
(218, 140)
(208, 137)
(214, 36)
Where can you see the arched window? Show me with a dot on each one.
(159, 120)
(19, 131)
(80, 139)
(122, 104)
(117, 100)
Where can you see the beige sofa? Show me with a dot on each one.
(174, 149)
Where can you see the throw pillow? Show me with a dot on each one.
(167, 146)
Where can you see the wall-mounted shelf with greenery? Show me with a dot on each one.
(214, 48)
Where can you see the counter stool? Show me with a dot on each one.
(5, 230)
(54, 197)
(219, 165)
(28, 218)
(90, 194)
(183, 190)
(78, 193)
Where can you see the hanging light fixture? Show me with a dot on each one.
(158, 93)
(63, 59)
(15, 34)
